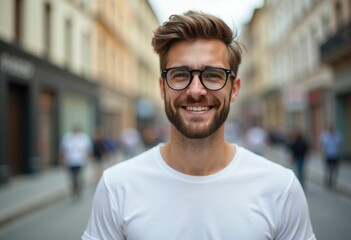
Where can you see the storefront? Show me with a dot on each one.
(342, 89)
(38, 103)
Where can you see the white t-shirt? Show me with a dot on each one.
(251, 198)
(76, 148)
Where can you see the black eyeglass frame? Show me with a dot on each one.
(201, 71)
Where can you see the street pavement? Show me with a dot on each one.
(26, 194)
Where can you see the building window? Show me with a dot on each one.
(86, 53)
(47, 27)
(101, 63)
(314, 43)
(325, 25)
(68, 42)
(18, 20)
(338, 14)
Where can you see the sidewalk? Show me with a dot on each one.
(26, 194)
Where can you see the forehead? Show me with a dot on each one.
(198, 53)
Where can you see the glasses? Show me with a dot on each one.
(212, 78)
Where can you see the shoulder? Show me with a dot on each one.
(264, 170)
(131, 169)
(259, 162)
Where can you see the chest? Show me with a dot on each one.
(198, 212)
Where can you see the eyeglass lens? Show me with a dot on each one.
(212, 78)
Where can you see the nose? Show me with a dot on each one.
(196, 89)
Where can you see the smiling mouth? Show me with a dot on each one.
(197, 108)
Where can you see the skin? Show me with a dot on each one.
(196, 145)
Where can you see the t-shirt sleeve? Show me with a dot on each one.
(103, 222)
(293, 218)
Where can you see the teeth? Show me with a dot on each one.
(197, 109)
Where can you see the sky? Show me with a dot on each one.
(234, 12)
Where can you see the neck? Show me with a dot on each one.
(198, 157)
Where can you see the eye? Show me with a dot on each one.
(214, 74)
(178, 74)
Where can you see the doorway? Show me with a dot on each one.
(46, 142)
(17, 118)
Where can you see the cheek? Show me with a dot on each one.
(223, 96)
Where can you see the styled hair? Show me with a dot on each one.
(194, 25)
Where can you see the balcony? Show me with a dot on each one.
(337, 47)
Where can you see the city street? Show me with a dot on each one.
(80, 91)
(330, 215)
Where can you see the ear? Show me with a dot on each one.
(235, 89)
(162, 87)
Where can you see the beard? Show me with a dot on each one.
(196, 131)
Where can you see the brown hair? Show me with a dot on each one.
(195, 25)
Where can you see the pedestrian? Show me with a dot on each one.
(197, 185)
(131, 142)
(99, 152)
(299, 149)
(111, 148)
(75, 150)
(330, 141)
(256, 139)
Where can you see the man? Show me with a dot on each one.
(197, 186)
(75, 149)
(330, 141)
(299, 149)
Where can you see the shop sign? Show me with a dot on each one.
(16, 66)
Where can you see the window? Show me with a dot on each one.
(313, 44)
(338, 14)
(18, 21)
(101, 63)
(68, 42)
(85, 53)
(325, 25)
(47, 27)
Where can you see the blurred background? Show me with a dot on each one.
(90, 63)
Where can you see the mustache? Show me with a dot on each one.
(201, 100)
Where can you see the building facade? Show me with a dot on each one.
(336, 52)
(298, 93)
(68, 62)
(124, 63)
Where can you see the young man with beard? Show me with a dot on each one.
(197, 186)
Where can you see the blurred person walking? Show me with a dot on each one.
(99, 152)
(330, 141)
(76, 148)
(256, 139)
(111, 146)
(299, 148)
(197, 185)
(131, 142)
